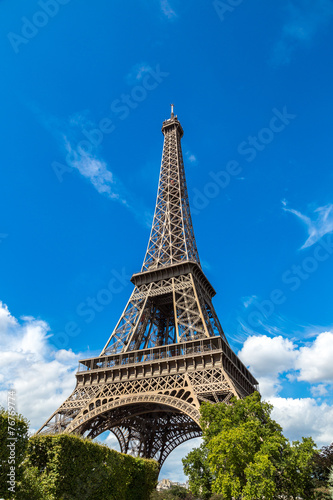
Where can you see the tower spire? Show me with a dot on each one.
(172, 113)
(172, 237)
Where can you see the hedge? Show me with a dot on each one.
(68, 467)
(13, 443)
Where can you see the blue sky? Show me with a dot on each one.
(84, 90)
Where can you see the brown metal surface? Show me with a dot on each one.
(168, 352)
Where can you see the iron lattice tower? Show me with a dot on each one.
(168, 352)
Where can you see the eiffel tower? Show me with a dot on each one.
(168, 352)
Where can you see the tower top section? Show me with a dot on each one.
(172, 238)
(173, 122)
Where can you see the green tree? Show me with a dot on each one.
(13, 444)
(178, 492)
(248, 456)
(298, 469)
(35, 485)
(196, 467)
(330, 482)
(323, 462)
(174, 493)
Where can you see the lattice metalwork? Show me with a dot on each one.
(167, 353)
(172, 237)
(165, 311)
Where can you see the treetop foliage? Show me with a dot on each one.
(250, 410)
(174, 493)
(245, 455)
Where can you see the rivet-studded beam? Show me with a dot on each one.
(172, 238)
(174, 270)
(168, 305)
(134, 394)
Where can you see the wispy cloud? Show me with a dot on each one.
(256, 317)
(320, 224)
(167, 9)
(305, 18)
(94, 169)
(79, 140)
(190, 157)
(137, 72)
(247, 301)
(319, 390)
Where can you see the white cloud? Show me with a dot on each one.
(42, 377)
(305, 19)
(93, 169)
(319, 390)
(273, 360)
(80, 139)
(137, 72)
(315, 362)
(270, 357)
(191, 158)
(267, 358)
(80, 120)
(267, 355)
(7, 322)
(304, 417)
(317, 227)
(257, 317)
(247, 301)
(167, 9)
